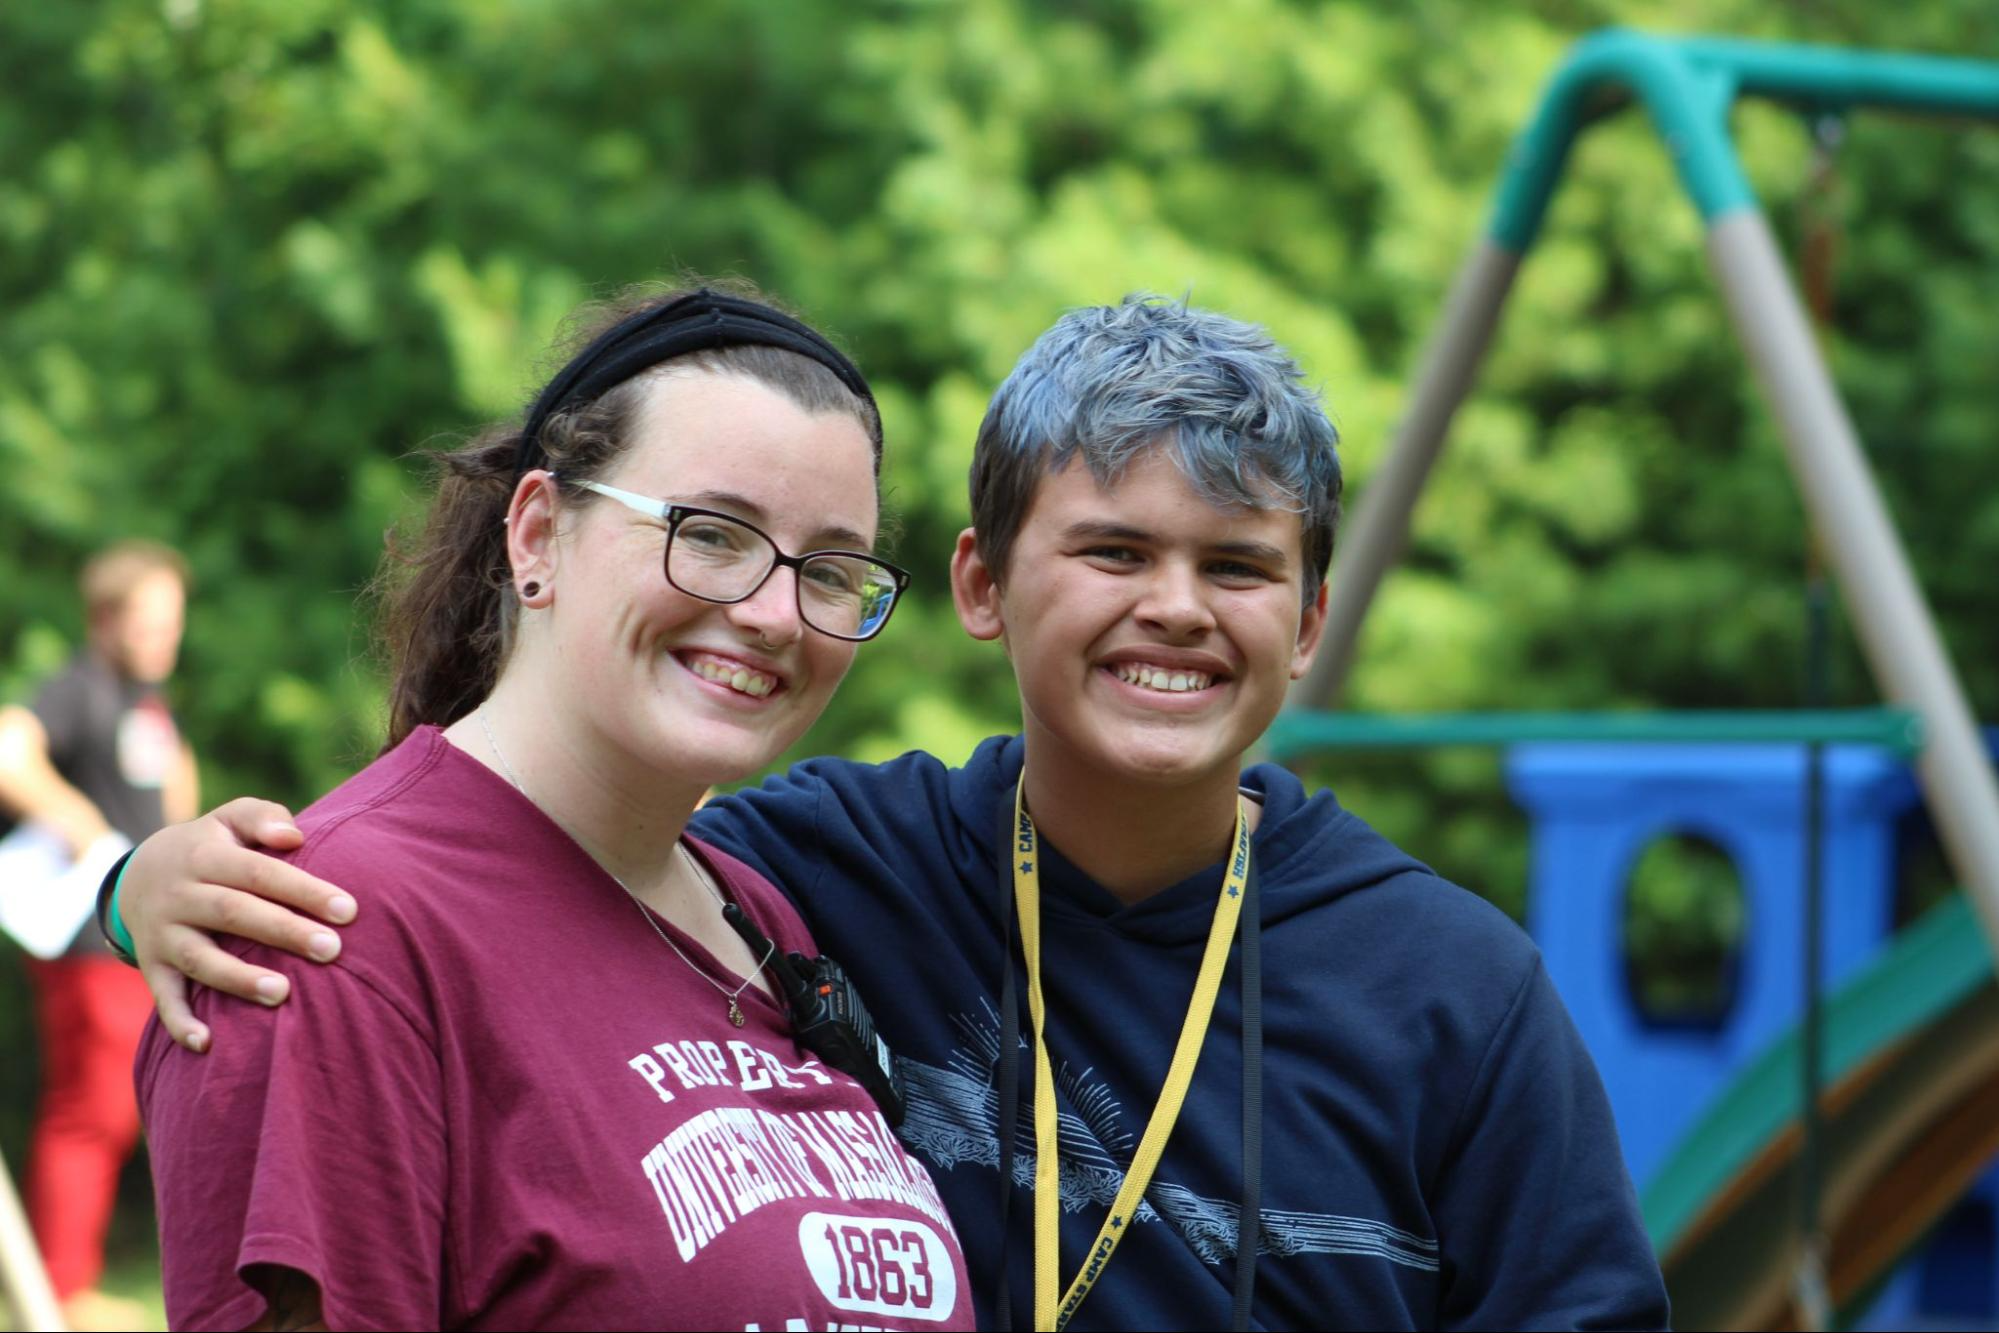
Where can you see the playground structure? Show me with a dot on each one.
(1807, 1144)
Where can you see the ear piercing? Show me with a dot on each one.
(530, 588)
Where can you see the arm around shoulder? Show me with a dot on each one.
(212, 875)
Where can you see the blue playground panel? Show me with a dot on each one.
(1595, 807)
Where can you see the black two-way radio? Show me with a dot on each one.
(828, 1016)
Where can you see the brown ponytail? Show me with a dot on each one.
(448, 606)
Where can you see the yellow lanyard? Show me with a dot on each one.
(1179, 1075)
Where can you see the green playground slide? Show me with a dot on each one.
(1911, 1059)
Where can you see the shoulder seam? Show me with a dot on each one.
(312, 845)
(427, 1037)
(374, 802)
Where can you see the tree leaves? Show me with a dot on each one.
(252, 255)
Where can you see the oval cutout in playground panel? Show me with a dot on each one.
(1684, 916)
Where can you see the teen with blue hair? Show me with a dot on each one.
(1184, 1044)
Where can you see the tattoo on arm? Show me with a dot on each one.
(292, 1299)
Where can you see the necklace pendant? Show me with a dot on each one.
(735, 1012)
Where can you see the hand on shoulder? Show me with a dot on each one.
(213, 875)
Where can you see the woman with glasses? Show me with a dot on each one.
(547, 1084)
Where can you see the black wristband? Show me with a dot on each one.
(106, 888)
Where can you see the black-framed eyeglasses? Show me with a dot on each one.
(720, 558)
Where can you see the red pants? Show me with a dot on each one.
(90, 1012)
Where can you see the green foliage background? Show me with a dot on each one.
(252, 253)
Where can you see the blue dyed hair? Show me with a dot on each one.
(1108, 383)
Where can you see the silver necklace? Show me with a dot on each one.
(734, 997)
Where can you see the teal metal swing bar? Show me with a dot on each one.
(1687, 85)
(1299, 733)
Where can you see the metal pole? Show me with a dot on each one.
(1819, 229)
(1380, 525)
(1814, 1304)
(1894, 624)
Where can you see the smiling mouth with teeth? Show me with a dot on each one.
(1156, 678)
(738, 678)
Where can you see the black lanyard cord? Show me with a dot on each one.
(1249, 1215)
(1009, 1064)
(1249, 1218)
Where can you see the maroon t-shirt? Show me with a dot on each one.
(509, 1105)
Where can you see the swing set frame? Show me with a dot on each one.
(1687, 86)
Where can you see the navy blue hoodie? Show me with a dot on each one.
(1438, 1151)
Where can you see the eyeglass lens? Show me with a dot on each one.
(725, 561)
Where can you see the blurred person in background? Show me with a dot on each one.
(97, 752)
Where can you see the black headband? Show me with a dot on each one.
(700, 321)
